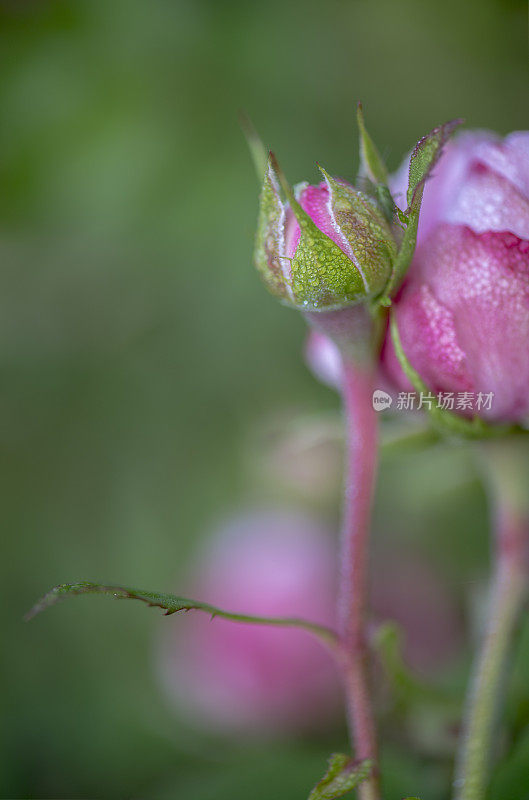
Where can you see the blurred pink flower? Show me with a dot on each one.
(324, 359)
(463, 315)
(251, 678)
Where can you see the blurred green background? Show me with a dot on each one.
(138, 348)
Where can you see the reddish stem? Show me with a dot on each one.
(361, 459)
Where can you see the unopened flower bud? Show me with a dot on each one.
(325, 247)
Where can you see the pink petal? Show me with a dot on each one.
(428, 334)
(484, 280)
(315, 201)
(487, 201)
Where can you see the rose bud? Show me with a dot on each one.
(255, 678)
(339, 252)
(326, 247)
(463, 315)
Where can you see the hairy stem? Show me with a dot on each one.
(507, 468)
(361, 460)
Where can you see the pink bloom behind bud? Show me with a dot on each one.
(248, 677)
(463, 316)
(324, 359)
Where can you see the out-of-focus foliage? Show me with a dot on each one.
(138, 349)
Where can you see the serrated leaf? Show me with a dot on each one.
(343, 775)
(172, 604)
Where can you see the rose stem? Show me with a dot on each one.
(507, 469)
(361, 458)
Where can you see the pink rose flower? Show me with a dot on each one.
(463, 314)
(251, 678)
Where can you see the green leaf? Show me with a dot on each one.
(371, 161)
(343, 775)
(172, 604)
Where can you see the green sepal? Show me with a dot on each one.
(444, 421)
(371, 162)
(404, 256)
(373, 174)
(323, 277)
(269, 236)
(172, 604)
(423, 159)
(256, 147)
(385, 202)
(365, 230)
(343, 775)
(425, 156)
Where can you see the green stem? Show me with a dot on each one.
(507, 468)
